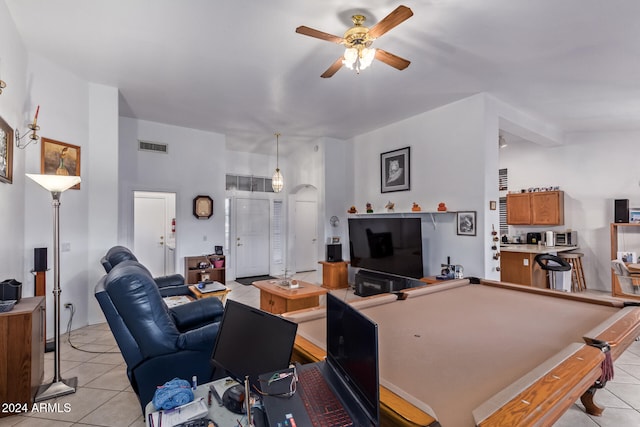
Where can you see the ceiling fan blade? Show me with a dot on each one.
(391, 59)
(332, 69)
(318, 34)
(399, 15)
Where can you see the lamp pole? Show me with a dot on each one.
(58, 387)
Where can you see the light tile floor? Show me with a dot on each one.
(104, 397)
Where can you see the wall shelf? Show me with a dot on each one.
(408, 214)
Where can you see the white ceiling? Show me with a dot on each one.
(237, 67)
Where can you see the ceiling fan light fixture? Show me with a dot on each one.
(358, 58)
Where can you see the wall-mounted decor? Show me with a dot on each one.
(202, 207)
(60, 158)
(6, 152)
(394, 170)
(467, 223)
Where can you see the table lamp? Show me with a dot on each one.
(56, 184)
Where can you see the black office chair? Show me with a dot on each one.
(552, 264)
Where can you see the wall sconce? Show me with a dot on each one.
(2, 85)
(33, 128)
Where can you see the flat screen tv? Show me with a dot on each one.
(388, 245)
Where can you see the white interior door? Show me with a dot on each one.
(306, 240)
(152, 235)
(252, 237)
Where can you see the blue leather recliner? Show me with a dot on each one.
(157, 343)
(169, 285)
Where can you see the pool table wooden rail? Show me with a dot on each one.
(537, 399)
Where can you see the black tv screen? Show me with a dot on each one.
(388, 245)
(251, 342)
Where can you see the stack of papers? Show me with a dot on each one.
(176, 300)
(172, 417)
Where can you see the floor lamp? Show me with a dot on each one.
(56, 184)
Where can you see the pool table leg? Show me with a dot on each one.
(589, 405)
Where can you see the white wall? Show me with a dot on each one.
(447, 152)
(13, 71)
(64, 114)
(195, 165)
(593, 169)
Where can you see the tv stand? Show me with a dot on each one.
(373, 283)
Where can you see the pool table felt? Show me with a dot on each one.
(469, 343)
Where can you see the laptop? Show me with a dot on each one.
(251, 341)
(350, 370)
(206, 287)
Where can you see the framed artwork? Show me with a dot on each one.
(6, 152)
(203, 207)
(467, 223)
(394, 170)
(60, 158)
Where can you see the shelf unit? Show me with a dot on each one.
(616, 228)
(431, 214)
(22, 361)
(193, 272)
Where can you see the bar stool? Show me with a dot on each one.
(574, 259)
(551, 264)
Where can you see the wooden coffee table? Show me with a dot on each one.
(219, 294)
(276, 299)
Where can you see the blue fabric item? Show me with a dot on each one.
(173, 393)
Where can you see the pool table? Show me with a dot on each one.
(485, 353)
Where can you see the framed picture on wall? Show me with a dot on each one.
(6, 152)
(394, 170)
(467, 223)
(60, 158)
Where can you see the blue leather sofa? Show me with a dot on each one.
(169, 285)
(157, 343)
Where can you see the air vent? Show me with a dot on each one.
(153, 146)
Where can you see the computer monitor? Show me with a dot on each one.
(352, 349)
(251, 342)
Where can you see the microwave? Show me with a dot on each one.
(566, 238)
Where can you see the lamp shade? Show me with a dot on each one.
(55, 183)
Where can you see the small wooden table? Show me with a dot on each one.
(334, 274)
(219, 294)
(277, 299)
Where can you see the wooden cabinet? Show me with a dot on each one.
(631, 243)
(521, 268)
(543, 208)
(205, 267)
(22, 351)
(519, 209)
(334, 274)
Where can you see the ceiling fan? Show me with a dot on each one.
(358, 54)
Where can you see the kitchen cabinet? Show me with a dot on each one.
(22, 357)
(541, 208)
(519, 209)
(193, 273)
(521, 268)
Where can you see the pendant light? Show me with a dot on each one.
(277, 182)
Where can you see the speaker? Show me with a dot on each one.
(334, 252)
(40, 259)
(621, 210)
